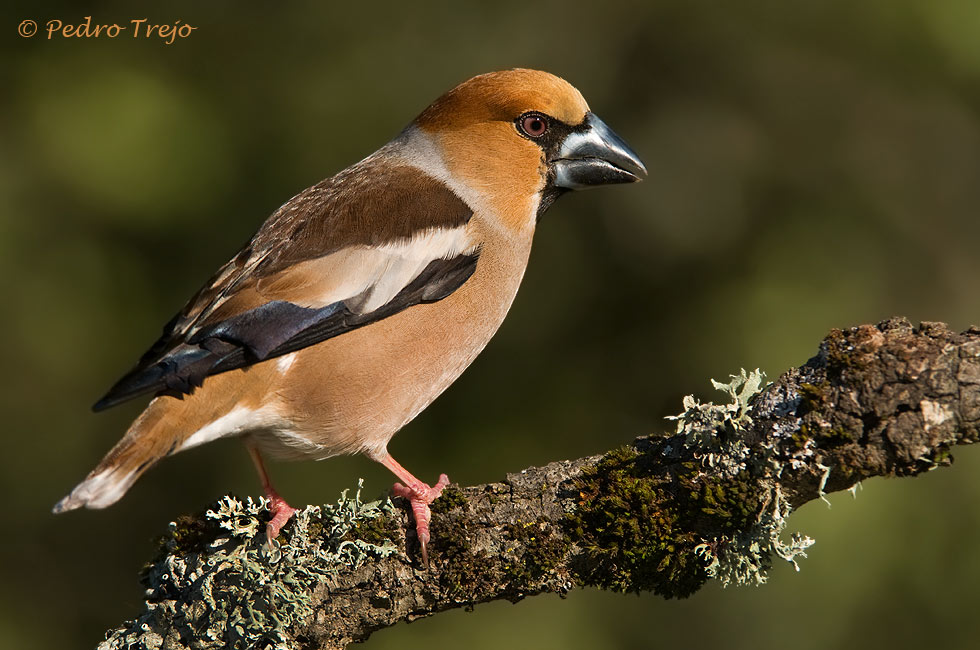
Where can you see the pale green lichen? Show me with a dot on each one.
(713, 429)
(715, 433)
(637, 526)
(821, 488)
(746, 558)
(233, 591)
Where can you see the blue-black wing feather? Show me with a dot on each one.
(337, 213)
(274, 329)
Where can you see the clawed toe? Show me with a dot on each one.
(420, 491)
(419, 497)
(281, 514)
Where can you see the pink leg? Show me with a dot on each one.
(419, 495)
(281, 511)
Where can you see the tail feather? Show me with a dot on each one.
(98, 490)
(165, 427)
(148, 439)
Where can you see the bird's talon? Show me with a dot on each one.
(419, 496)
(425, 554)
(400, 490)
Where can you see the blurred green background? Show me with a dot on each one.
(813, 164)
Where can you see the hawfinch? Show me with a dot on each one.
(365, 296)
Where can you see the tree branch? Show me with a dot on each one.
(664, 514)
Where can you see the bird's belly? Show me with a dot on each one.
(352, 393)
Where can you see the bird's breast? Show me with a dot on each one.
(354, 392)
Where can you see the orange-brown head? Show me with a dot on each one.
(524, 136)
(501, 97)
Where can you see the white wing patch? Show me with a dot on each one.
(366, 277)
(402, 262)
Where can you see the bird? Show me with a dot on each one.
(363, 297)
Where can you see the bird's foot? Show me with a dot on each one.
(281, 513)
(419, 496)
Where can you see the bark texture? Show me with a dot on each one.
(664, 514)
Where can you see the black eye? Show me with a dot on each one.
(533, 125)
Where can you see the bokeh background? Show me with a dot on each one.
(813, 164)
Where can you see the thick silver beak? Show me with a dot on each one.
(596, 156)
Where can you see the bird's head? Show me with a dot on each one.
(522, 133)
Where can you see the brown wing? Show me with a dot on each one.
(365, 244)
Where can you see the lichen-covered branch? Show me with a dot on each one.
(664, 514)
